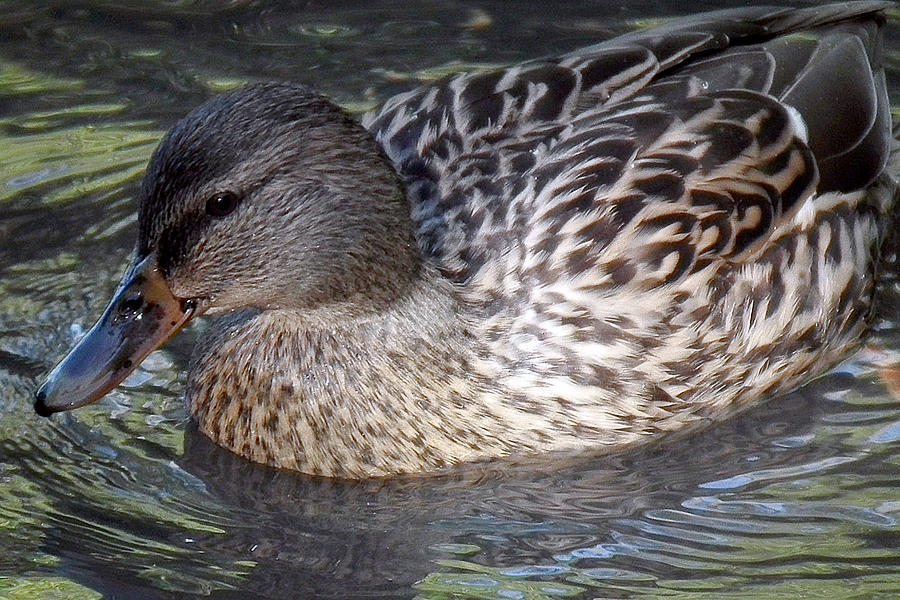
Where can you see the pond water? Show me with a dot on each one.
(796, 497)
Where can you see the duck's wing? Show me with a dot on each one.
(830, 72)
(705, 135)
(434, 124)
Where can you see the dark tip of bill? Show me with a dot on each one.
(40, 406)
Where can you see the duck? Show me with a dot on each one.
(576, 253)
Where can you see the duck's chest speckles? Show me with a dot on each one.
(325, 405)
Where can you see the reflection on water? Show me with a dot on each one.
(797, 497)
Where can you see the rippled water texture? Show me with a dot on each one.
(796, 498)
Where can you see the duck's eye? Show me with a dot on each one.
(222, 204)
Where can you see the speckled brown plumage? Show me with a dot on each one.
(576, 252)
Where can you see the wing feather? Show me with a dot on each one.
(693, 142)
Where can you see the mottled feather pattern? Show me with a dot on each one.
(667, 238)
(632, 238)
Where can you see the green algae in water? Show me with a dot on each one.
(74, 160)
(51, 158)
(44, 588)
(16, 80)
(457, 549)
(323, 30)
(145, 53)
(21, 504)
(45, 152)
(432, 74)
(358, 107)
(28, 509)
(471, 580)
(41, 121)
(220, 85)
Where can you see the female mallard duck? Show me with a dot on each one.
(575, 252)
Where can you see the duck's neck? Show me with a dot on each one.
(352, 395)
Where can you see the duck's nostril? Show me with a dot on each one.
(131, 303)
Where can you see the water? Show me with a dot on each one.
(796, 498)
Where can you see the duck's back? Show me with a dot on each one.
(504, 159)
(688, 206)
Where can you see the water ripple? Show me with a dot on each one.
(798, 497)
(763, 475)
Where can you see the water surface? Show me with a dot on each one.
(122, 499)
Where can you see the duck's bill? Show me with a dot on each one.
(142, 315)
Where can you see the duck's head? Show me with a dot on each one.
(268, 197)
